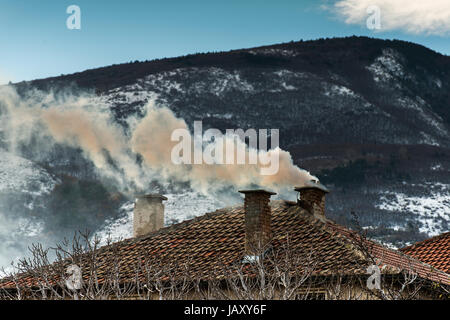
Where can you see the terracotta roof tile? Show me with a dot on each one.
(398, 260)
(434, 251)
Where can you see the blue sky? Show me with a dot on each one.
(36, 42)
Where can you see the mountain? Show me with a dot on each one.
(318, 85)
(369, 117)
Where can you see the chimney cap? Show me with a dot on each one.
(258, 191)
(312, 184)
(152, 196)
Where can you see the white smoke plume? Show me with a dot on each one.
(85, 122)
(70, 120)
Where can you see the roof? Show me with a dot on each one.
(216, 239)
(434, 251)
(390, 258)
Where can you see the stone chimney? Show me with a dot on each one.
(148, 214)
(258, 231)
(312, 197)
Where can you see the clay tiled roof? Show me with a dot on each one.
(434, 251)
(216, 239)
(395, 260)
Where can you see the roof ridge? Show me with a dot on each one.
(171, 227)
(225, 210)
(175, 226)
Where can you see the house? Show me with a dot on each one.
(260, 250)
(434, 251)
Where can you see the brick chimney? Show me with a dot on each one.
(148, 214)
(258, 231)
(312, 197)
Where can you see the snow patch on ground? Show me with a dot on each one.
(225, 81)
(287, 86)
(387, 67)
(211, 80)
(430, 210)
(428, 139)
(226, 116)
(424, 112)
(436, 167)
(130, 95)
(285, 80)
(438, 83)
(284, 73)
(21, 175)
(340, 91)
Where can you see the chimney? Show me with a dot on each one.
(258, 232)
(312, 197)
(148, 214)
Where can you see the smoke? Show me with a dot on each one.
(152, 140)
(75, 121)
(134, 156)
